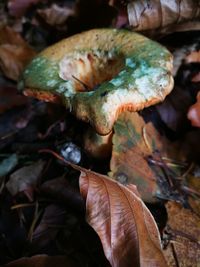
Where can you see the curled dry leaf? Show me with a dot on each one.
(194, 113)
(163, 15)
(125, 226)
(183, 231)
(15, 53)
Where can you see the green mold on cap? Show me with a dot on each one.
(100, 73)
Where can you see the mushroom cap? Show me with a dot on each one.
(99, 73)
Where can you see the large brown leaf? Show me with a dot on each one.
(15, 53)
(163, 15)
(125, 226)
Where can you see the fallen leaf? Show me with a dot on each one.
(9, 98)
(133, 142)
(164, 16)
(173, 111)
(12, 229)
(183, 54)
(61, 190)
(183, 231)
(15, 53)
(43, 261)
(9, 36)
(48, 227)
(189, 145)
(122, 16)
(192, 182)
(55, 15)
(25, 179)
(194, 113)
(194, 56)
(127, 230)
(18, 8)
(196, 78)
(8, 164)
(12, 122)
(126, 227)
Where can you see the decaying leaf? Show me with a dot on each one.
(43, 261)
(8, 164)
(163, 15)
(15, 53)
(192, 185)
(194, 113)
(61, 190)
(133, 142)
(125, 226)
(17, 8)
(183, 234)
(193, 57)
(47, 229)
(173, 111)
(25, 179)
(196, 78)
(10, 98)
(55, 15)
(185, 54)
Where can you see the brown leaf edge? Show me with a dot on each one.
(127, 229)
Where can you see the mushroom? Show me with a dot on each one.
(97, 146)
(99, 73)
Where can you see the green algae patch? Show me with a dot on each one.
(100, 73)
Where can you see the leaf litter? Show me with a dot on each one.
(45, 202)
